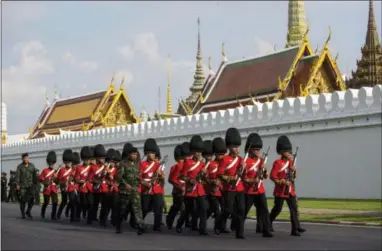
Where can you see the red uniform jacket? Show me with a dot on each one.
(95, 173)
(252, 167)
(229, 167)
(45, 176)
(173, 178)
(279, 171)
(191, 170)
(212, 174)
(82, 173)
(63, 177)
(109, 184)
(146, 172)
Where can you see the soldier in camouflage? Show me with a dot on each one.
(128, 177)
(26, 180)
(37, 199)
(12, 193)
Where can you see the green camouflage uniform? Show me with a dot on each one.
(26, 179)
(37, 197)
(128, 174)
(12, 194)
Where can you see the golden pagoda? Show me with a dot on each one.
(100, 109)
(369, 68)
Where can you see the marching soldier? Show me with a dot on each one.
(96, 174)
(193, 174)
(281, 173)
(3, 186)
(158, 158)
(178, 187)
(128, 177)
(47, 177)
(254, 174)
(67, 187)
(115, 189)
(85, 188)
(37, 199)
(151, 177)
(213, 186)
(233, 191)
(129, 210)
(74, 185)
(187, 155)
(12, 193)
(26, 180)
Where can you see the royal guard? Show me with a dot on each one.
(75, 164)
(96, 175)
(178, 187)
(187, 155)
(114, 188)
(230, 171)
(65, 179)
(213, 185)
(84, 187)
(151, 178)
(193, 174)
(254, 174)
(282, 174)
(47, 178)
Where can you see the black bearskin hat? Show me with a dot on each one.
(110, 155)
(232, 137)
(185, 148)
(208, 147)
(99, 151)
(117, 156)
(126, 149)
(150, 146)
(178, 152)
(218, 146)
(76, 158)
(51, 158)
(253, 140)
(196, 144)
(283, 144)
(92, 152)
(86, 153)
(157, 153)
(67, 156)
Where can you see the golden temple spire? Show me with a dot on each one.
(198, 84)
(169, 98)
(296, 23)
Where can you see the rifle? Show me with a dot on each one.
(241, 169)
(101, 176)
(290, 174)
(161, 168)
(260, 171)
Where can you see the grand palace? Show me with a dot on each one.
(296, 70)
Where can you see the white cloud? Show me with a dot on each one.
(23, 81)
(120, 74)
(84, 65)
(127, 52)
(145, 44)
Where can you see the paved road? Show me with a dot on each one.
(19, 234)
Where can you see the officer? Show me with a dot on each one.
(129, 196)
(26, 179)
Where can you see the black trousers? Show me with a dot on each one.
(47, 198)
(68, 197)
(108, 204)
(153, 203)
(82, 205)
(215, 206)
(292, 204)
(94, 201)
(262, 213)
(234, 200)
(200, 212)
(176, 207)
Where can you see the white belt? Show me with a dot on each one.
(146, 179)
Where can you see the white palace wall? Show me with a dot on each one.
(339, 135)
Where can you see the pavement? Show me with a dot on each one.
(38, 234)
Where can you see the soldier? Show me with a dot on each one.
(26, 180)
(213, 184)
(75, 187)
(129, 210)
(12, 193)
(233, 191)
(284, 188)
(47, 177)
(253, 184)
(151, 177)
(37, 199)
(65, 178)
(115, 189)
(108, 188)
(158, 158)
(95, 177)
(3, 186)
(84, 187)
(187, 155)
(192, 174)
(129, 196)
(178, 187)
